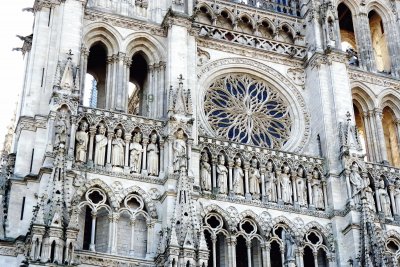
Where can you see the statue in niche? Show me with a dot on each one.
(286, 185)
(222, 173)
(136, 153)
(384, 198)
(101, 145)
(356, 183)
(179, 148)
(61, 132)
(238, 175)
(271, 183)
(397, 195)
(254, 179)
(301, 187)
(369, 194)
(289, 246)
(152, 156)
(118, 149)
(82, 139)
(205, 173)
(317, 193)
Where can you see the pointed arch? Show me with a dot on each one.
(232, 221)
(149, 46)
(96, 183)
(149, 203)
(101, 32)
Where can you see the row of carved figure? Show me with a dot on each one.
(269, 184)
(116, 151)
(381, 196)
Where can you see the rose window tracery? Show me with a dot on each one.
(247, 110)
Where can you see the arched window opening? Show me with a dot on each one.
(52, 251)
(94, 94)
(241, 251)
(85, 217)
(138, 89)
(308, 257)
(322, 259)
(347, 35)
(256, 253)
(275, 255)
(361, 128)
(390, 133)
(379, 42)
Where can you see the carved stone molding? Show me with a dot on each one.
(367, 77)
(297, 75)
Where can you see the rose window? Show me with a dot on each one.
(247, 110)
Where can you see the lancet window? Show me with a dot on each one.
(347, 35)
(315, 253)
(138, 88)
(391, 134)
(379, 42)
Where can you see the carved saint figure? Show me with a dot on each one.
(82, 140)
(222, 173)
(136, 153)
(317, 193)
(238, 175)
(397, 195)
(61, 132)
(101, 145)
(118, 149)
(179, 148)
(286, 185)
(205, 172)
(254, 179)
(384, 198)
(289, 246)
(369, 194)
(301, 187)
(152, 156)
(356, 183)
(271, 183)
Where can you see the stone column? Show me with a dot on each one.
(283, 256)
(324, 191)
(110, 233)
(127, 66)
(348, 186)
(120, 82)
(150, 230)
(114, 237)
(266, 255)
(230, 168)
(366, 55)
(214, 250)
(391, 194)
(162, 104)
(145, 141)
(84, 61)
(214, 174)
(110, 136)
(294, 188)
(371, 149)
(127, 141)
(278, 186)
(109, 86)
(72, 138)
(230, 260)
(50, 131)
(162, 143)
(170, 156)
(248, 246)
(381, 135)
(310, 195)
(233, 240)
(189, 145)
(246, 180)
(374, 138)
(315, 258)
(92, 133)
(132, 250)
(377, 198)
(92, 246)
(264, 197)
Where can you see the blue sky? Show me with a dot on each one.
(12, 22)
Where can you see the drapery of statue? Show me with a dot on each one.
(238, 177)
(286, 185)
(179, 148)
(254, 179)
(152, 156)
(118, 148)
(82, 139)
(101, 146)
(301, 187)
(205, 173)
(222, 173)
(136, 150)
(271, 183)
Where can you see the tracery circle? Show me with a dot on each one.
(247, 110)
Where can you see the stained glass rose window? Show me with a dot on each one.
(245, 109)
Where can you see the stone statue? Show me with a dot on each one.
(369, 194)
(254, 179)
(317, 193)
(397, 195)
(136, 153)
(118, 150)
(205, 173)
(101, 145)
(384, 198)
(356, 183)
(301, 187)
(289, 246)
(271, 183)
(82, 139)
(179, 148)
(60, 133)
(152, 156)
(222, 173)
(238, 176)
(286, 185)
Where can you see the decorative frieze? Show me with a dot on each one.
(356, 74)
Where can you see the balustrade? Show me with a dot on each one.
(289, 7)
(122, 7)
(261, 174)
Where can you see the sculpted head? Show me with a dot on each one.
(102, 129)
(137, 138)
(238, 161)
(179, 134)
(270, 166)
(254, 163)
(300, 172)
(354, 167)
(84, 126)
(154, 138)
(286, 169)
(221, 159)
(204, 157)
(315, 174)
(119, 133)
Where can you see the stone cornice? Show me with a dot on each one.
(30, 124)
(125, 22)
(318, 59)
(357, 75)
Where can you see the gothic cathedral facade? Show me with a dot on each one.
(206, 133)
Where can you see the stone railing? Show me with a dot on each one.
(253, 173)
(289, 7)
(252, 41)
(127, 8)
(118, 142)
